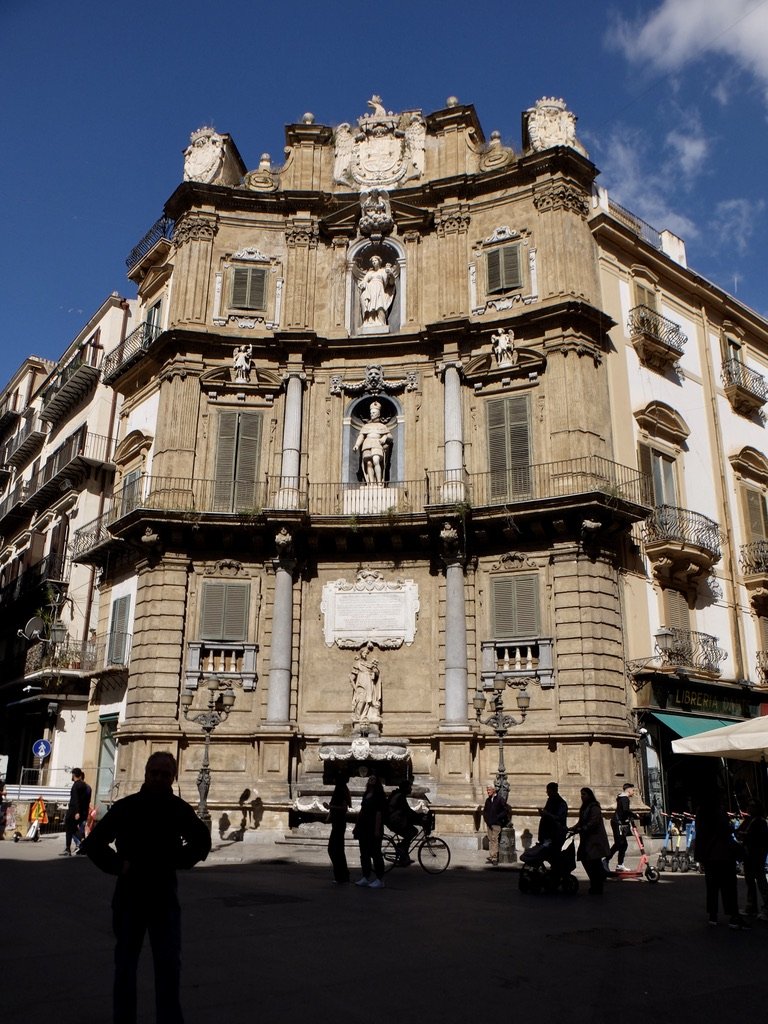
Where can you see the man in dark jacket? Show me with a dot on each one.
(77, 812)
(621, 825)
(403, 820)
(495, 816)
(154, 833)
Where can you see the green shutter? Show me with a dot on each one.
(763, 632)
(515, 607)
(224, 612)
(493, 264)
(224, 472)
(118, 631)
(249, 287)
(509, 446)
(676, 613)
(646, 468)
(513, 277)
(247, 461)
(504, 268)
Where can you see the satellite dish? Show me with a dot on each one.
(34, 628)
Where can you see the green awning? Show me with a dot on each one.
(689, 725)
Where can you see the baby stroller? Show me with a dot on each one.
(547, 868)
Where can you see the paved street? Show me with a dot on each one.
(272, 939)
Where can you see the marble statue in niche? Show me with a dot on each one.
(503, 342)
(374, 442)
(377, 291)
(242, 364)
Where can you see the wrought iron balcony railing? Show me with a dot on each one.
(162, 228)
(10, 408)
(736, 374)
(48, 569)
(76, 656)
(13, 501)
(754, 558)
(26, 441)
(689, 649)
(79, 446)
(392, 498)
(667, 523)
(646, 321)
(128, 351)
(762, 668)
(639, 227)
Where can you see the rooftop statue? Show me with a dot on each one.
(549, 123)
(386, 149)
(204, 156)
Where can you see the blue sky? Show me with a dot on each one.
(100, 99)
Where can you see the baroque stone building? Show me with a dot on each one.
(377, 462)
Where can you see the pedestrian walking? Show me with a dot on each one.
(621, 826)
(593, 840)
(369, 831)
(77, 812)
(338, 806)
(553, 828)
(155, 833)
(495, 816)
(718, 851)
(753, 835)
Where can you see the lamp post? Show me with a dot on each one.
(220, 701)
(500, 722)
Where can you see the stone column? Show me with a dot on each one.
(292, 431)
(455, 629)
(453, 489)
(279, 692)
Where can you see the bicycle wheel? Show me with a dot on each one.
(389, 853)
(434, 855)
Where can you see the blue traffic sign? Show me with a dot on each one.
(41, 748)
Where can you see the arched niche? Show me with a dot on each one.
(358, 413)
(661, 421)
(751, 464)
(359, 262)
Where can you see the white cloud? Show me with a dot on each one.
(734, 222)
(679, 31)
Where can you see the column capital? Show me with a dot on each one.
(442, 368)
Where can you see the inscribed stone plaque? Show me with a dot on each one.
(371, 608)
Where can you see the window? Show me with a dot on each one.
(153, 315)
(515, 606)
(505, 270)
(249, 288)
(676, 612)
(660, 467)
(238, 448)
(105, 773)
(117, 644)
(224, 612)
(509, 446)
(755, 513)
(130, 493)
(645, 294)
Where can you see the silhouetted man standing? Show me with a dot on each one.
(77, 812)
(155, 833)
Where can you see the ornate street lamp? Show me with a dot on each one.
(220, 700)
(500, 722)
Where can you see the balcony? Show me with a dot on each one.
(161, 230)
(70, 385)
(112, 651)
(72, 658)
(80, 450)
(762, 668)
(12, 506)
(128, 352)
(682, 545)
(31, 581)
(518, 661)
(754, 565)
(745, 389)
(659, 342)
(686, 649)
(26, 443)
(230, 662)
(392, 498)
(10, 410)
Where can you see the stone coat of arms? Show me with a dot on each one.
(386, 150)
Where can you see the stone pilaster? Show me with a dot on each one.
(338, 282)
(412, 239)
(193, 239)
(577, 403)
(178, 422)
(301, 235)
(564, 235)
(452, 223)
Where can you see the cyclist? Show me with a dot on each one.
(403, 820)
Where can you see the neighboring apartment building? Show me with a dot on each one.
(56, 465)
(378, 462)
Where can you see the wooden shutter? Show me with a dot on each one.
(676, 613)
(504, 269)
(224, 613)
(755, 516)
(247, 461)
(118, 631)
(515, 606)
(762, 627)
(226, 452)
(509, 446)
(248, 287)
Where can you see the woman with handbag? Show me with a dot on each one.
(593, 840)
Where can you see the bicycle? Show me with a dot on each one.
(433, 853)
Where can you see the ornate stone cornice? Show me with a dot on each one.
(561, 195)
(302, 233)
(452, 220)
(196, 227)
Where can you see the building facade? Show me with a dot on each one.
(57, 445)
(392, 449)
